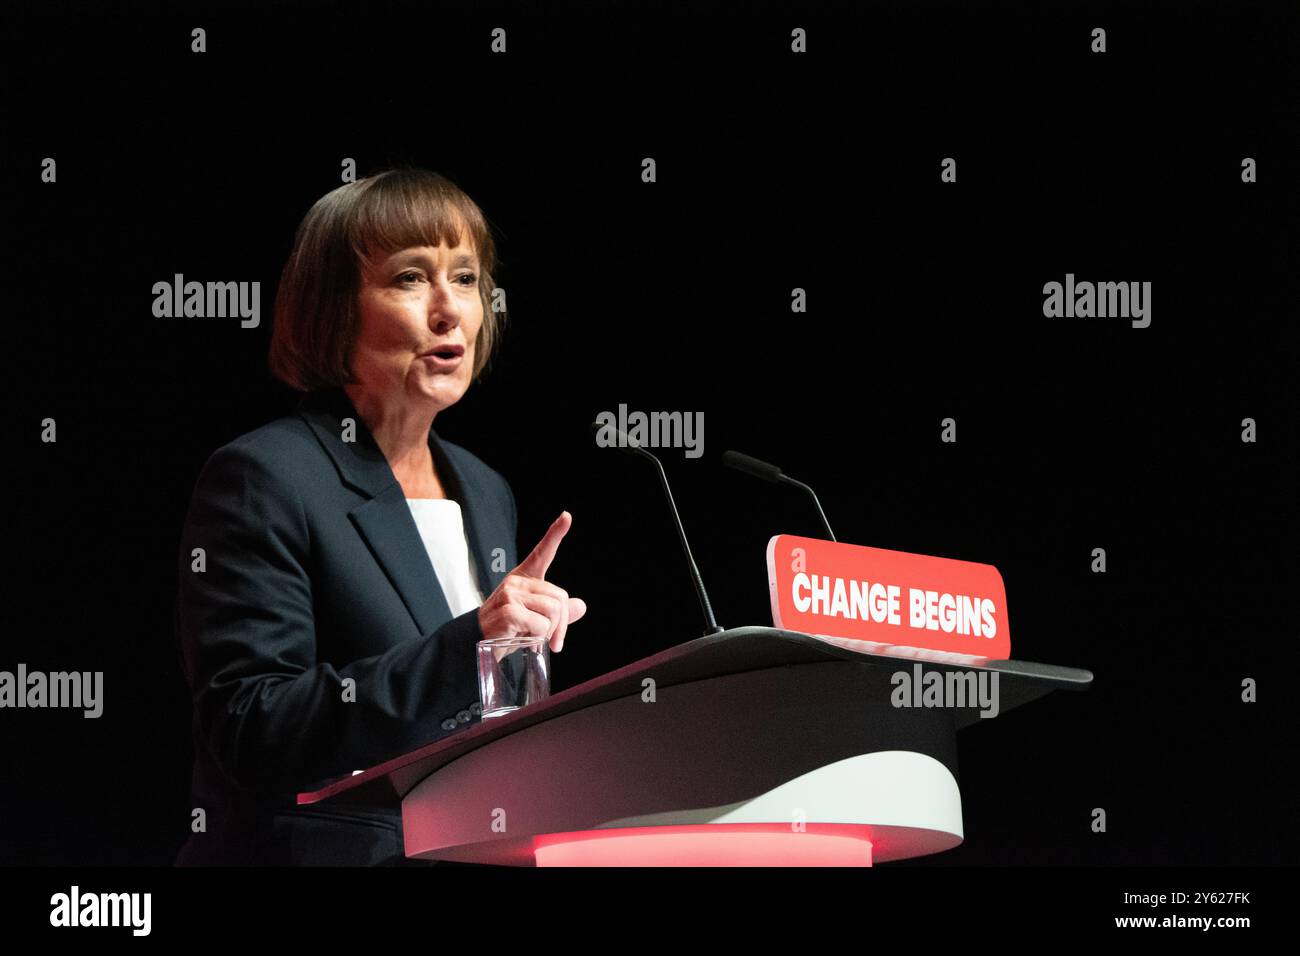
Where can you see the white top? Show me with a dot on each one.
(443, 532)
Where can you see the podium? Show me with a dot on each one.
(753, 746)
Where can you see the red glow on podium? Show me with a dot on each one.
(708, 844)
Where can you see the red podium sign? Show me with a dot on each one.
(888, 597)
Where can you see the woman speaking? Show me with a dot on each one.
(333, 563)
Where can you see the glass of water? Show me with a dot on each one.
(513, 672)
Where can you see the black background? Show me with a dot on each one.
(775, 171)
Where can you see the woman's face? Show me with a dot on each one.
(415, 303)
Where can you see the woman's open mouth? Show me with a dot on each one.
(445, 357)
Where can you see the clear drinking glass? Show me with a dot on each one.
(513, 672)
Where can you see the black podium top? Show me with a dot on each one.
(732, 651)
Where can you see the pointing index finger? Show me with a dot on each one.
(539, 561)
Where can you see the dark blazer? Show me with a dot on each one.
(315, 574)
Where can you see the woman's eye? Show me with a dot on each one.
(416, 276)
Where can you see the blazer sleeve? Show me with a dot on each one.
(273, 718)
(514, 527)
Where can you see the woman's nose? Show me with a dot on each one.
(444, 307)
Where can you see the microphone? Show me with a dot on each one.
(761, 469)
(628, 445)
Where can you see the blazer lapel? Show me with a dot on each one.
(384, 521)
(472, 504)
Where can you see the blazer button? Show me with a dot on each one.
(476, 709)
(449, 723)
(463, 716)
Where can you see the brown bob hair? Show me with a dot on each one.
(316, 317)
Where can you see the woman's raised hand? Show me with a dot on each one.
(524, 603)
